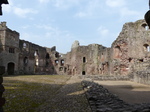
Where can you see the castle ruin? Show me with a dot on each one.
(129, 55)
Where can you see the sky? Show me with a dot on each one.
(59, 23)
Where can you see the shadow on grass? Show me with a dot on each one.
(49, 95)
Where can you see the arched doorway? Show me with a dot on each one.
(10, 68)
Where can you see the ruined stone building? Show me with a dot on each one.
(23, 57)
(128, 55)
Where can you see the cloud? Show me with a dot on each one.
(60, 4)
(115, 3)
(66, 3)
(90, 9)
(8, 7)
(44, 1)
(20, 12)
(23, 12)
(126, 12)
(103, 31)
(52, 36)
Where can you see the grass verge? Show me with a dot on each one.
(26, 93)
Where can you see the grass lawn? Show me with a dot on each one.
(26, 93)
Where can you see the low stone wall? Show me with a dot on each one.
(142, 77)
(101, 100)
(105, 77)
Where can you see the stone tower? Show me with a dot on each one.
(9, 44)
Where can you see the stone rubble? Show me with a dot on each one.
(101, 100)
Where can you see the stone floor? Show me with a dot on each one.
(102, 100)
(128, 91)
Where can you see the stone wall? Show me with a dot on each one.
(83, 59)
(9, 48)
(128, 55)
(23, 57)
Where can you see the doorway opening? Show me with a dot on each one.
(83, 73)
(10, 68)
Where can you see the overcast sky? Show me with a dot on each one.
(60, 22)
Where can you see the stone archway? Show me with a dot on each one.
(10, 68)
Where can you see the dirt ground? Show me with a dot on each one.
(44, 93)
(130, 92)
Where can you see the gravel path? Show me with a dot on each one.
(70, 98)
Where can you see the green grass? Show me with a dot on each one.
(26, 93)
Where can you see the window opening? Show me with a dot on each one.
(145, 26)
(36, 58)
(57, 55)
(130, 59)
(47, 56)
(56, 62)
(25, 61)
(83, 73)
(24, 45)
(84, 59)
(146, 47)
(141, 60)
(61, 69)
(36, 53)
(62, 62)
(37, 62)
(11, 50)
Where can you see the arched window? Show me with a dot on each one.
(36, 53)
(56, 62)
(24, 45)
(62, 62)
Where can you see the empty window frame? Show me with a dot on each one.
(146, 47)
(84, 59)
(11, 50)
(56, 62)
(25, 61)
(83, 73)
(36, 53)
(62, 62)
(145, 26)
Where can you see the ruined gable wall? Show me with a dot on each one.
(32, 57)
(9, 43)
(83, 60)
(57, 61)
(129, 47)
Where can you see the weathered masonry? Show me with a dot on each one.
(23, 57)
(129, 55)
